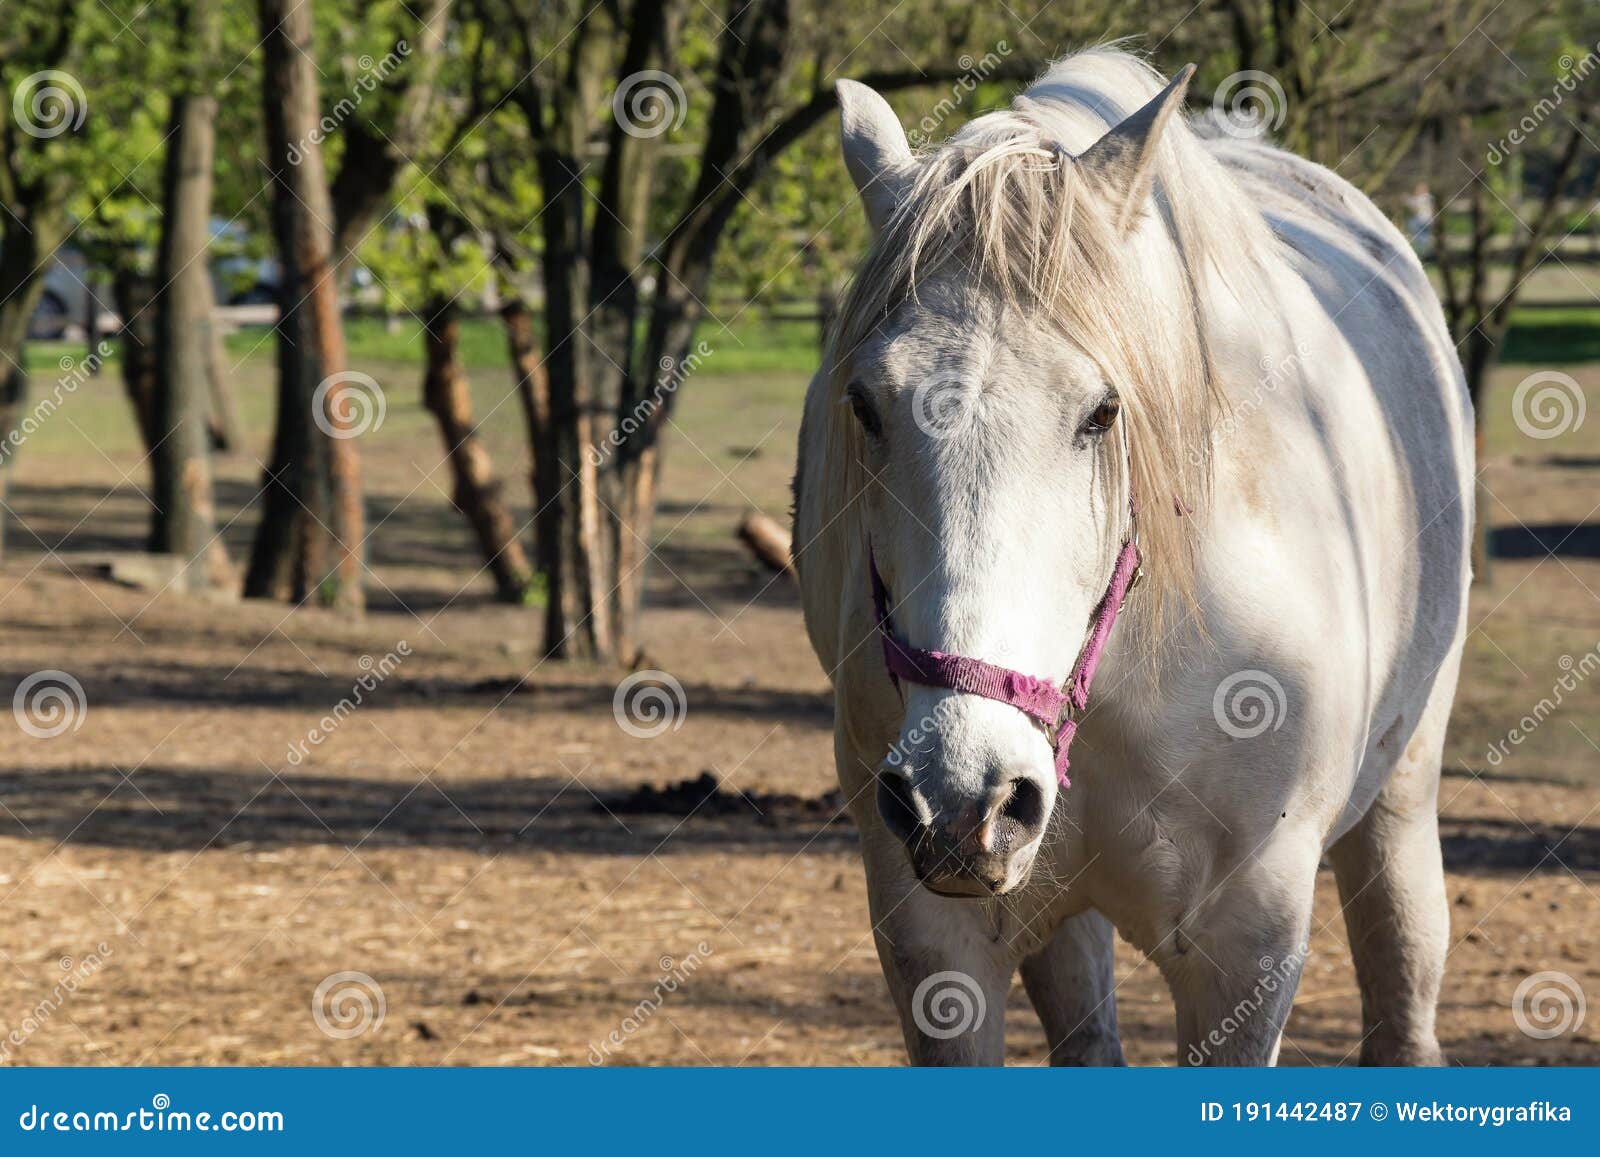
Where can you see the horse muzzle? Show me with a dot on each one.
(970, 847)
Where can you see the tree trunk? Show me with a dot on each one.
(25, 250)
(35, 184)
(226, 432)
(92, 333)
(533, 390)
(578, 621)
(445, 392)
(311, 534)
(132, 294)
(185, 514)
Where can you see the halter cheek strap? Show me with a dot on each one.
(1052, 707)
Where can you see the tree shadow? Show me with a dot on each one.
(1563, 539)
(411, 532)
(154, 682)
(418, 538)
(1476, 845)
(184, 809)
(721, 577)
(171, 809)
(1569, 461)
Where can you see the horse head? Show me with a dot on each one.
(1017, 359)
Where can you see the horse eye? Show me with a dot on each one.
(862, 409)
(1104, 415)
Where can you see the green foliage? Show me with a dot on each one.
(797, 232)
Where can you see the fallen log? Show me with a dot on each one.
(768, 540)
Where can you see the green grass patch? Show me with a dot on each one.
(48, 360)
(750, 344)
(1557, 336)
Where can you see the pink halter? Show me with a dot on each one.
(1036, 698)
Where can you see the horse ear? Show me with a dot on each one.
(1123, 160)
(875, 150)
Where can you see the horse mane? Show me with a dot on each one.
(1003, 202)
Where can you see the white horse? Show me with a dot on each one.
(1083, 319)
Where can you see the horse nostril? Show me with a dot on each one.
(1022, 816)
(897, 805)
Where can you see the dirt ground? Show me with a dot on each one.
(460, 840)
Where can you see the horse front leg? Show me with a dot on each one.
(1234, 959)
(1072, 984)
(949, 970)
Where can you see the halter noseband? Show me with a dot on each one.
(1051, 706)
